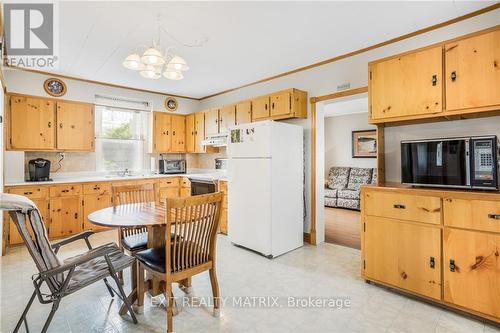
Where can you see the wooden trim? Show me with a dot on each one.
(51, 98)
(380, 154)
(68, 77)
(344, 93)
(313, 240)
(365, 49)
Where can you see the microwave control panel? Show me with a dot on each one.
(483, 160)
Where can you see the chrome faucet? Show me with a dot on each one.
(124, 173)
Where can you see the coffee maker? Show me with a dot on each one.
(39, 170)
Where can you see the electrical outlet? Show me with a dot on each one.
(62, 155)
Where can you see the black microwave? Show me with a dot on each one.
(469, 162)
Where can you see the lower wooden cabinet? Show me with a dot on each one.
(472, 270)
(65, 216)
(404, 255)
(91, 203)
(14, 235)
(168, 192)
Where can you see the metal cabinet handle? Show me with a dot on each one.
(452, 265)
(265, 106)
(432, 262)
(65, 191)
(398, 206)
(173, 132)
(49, 124)
(60, 125)
(434, 80)
(97, 188)
(494, 216)
(453, 76)
(76, 216)
(27, 193)
(272, 106)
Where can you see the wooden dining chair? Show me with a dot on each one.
(192, 250)
(132, 240)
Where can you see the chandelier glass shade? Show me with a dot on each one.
(152, 63)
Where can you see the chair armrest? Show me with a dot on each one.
(92, 254)
(82, 235)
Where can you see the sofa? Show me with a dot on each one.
(344, 183)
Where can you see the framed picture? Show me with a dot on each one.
(54, 87)
(364, 144)
(171, 104)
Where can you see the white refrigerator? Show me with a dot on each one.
(266, 186)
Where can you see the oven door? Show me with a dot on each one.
(199, 186)
(436, 163)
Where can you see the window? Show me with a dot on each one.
(121, 138)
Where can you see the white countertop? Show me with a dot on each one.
(96, 177)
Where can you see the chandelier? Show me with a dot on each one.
(155, 62)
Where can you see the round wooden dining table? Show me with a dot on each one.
(151, 215)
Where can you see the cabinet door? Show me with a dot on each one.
(32, 124)
(404, 255)
(190, 136)
(260, 108)
(199, 132)
(65, 216)
(227, 118)
(472, 270)
(211, 122)
(473, 72)
(91, 203)
(161, 132)
(185, 192)
(243, 113)
(168, 192)
(178, 134)
(15, 236)
(75, 126)
(410, 84)
(281, 104)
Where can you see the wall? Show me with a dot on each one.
(324, 80)
(394, 135)
(338, 142)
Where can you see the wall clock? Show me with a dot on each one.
(54, 87)
(171, 104)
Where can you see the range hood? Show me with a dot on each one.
(215, 140)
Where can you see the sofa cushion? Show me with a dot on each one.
(338, 177)
(348, 203)
(358, 177)
(348, 194)
(329, 193)
(331, 202)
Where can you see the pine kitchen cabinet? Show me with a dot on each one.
(473, 72)
(243, 112)
(227, 117)
(195, 132)
(211, 121)
(178, 140)
(75, 126)
(95, 196)
(190, 136)
(406, 85)
(162, 123)
(42, 124)
(260, 108)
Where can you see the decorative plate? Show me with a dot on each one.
(171, 104)
(54, 87)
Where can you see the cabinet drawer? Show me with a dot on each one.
(404, 206)
(169, 182)
(472, 214)
(97, 188)
(185, 182)
(32, 192)
(65, 190)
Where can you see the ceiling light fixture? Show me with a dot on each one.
(153, 62)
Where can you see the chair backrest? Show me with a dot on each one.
(38, 244)
(130, 194)
(192, 224)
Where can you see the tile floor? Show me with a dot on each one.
(325, 271)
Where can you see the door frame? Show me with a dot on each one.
(312, 237)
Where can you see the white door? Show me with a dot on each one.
(249, 203)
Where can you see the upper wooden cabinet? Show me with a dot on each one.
(37, 123)
(260, 108)
(199, 132)
(227, 117)
(410, 86)
(243, 112)
(473, 72)
(406, 85)
(211, 121)
(162, 123)
(32, 123)
(75, 126)
(178, 134)
(190, 137)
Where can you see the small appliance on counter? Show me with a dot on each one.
(467, 162)
(39, 170)
(171, 166)
(221, 163)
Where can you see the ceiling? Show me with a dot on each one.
(347, 105)
(247, 41)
